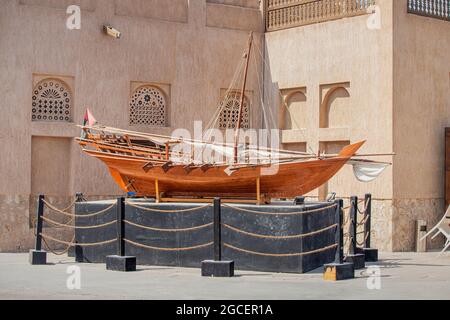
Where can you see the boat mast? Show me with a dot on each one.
(241, 106)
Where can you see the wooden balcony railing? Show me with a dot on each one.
(283, 14)
(439, 9)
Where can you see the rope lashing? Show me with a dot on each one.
(72, 244)
(168, 230)
(78, 227)
(299, 236)
(144, 246)
(51, 207)
(280, 213)
(280, 254)
(167, 211)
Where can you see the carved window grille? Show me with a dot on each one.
(52, 101)
(229, 115)
(148, 106)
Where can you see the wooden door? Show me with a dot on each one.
(447, 166)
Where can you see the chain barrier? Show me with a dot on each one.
(52, 208)
(144, 246)
(168, 230)
(167, 211)
(280, 255)
(299, 236)
(280, 213)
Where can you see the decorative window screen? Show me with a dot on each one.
(230, 112)
(148, 106)
(52, 101)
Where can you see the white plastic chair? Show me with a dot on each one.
(443, 227)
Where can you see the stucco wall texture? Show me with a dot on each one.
(396, 73)
(395, 78)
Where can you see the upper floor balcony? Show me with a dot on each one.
(283, 14)
(439, 9)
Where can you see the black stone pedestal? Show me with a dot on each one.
(37, 258)
(358, 260)
(123, 264)
(219, 269)
(338, 272)
(71, 252)
(371, 254)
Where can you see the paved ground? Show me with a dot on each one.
(403, 276)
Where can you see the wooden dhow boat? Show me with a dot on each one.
(169, 169)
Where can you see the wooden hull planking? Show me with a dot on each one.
(285, 180)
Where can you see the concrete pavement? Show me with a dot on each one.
(402, 276)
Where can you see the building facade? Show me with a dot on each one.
(335, 72)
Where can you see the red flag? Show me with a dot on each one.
(89, 119)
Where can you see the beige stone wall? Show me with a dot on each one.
(421, 111)
(406, 213)
(350, 65)
(182, 45)
(343, 82)
(397, 96)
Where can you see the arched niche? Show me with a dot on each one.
(335, 107)
(294, 110)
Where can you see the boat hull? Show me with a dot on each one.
(284, 180)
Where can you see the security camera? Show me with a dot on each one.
(112, 32)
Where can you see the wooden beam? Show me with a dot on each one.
(258, 191)
(157, 195)
(167, 151)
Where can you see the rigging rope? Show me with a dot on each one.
(267, 67)
(168, 249)
(281, 254)
(167, 230)
(299, 236)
